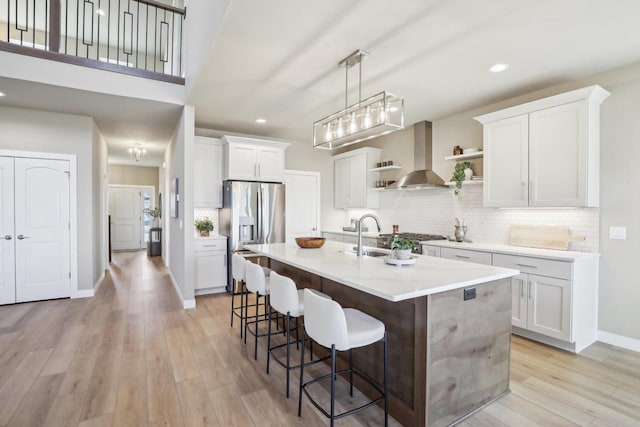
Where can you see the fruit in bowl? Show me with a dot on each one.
(310, 242)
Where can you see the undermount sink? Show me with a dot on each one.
(369, 252)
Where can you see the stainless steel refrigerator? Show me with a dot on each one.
(252, 212)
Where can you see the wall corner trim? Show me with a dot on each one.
(98, 283)
(619, 341)
(186, 304)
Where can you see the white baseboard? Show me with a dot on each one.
(619, 341)
(98, 283)
(186, 304)
(82, 293)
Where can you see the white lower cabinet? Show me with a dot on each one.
(542, 304)
(210, 266)
(553, 301)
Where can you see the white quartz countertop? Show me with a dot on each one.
(513, 250)
(429, 275)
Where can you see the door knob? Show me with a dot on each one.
(21, 237)
(8, 237)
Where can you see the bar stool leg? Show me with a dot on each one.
(386, 378)
(255, 342)
(233, 296)
(304, 337)
(269, 341)
(288, 349)
(333, 383)
(297, 336)
(351, 372)
(246, 315)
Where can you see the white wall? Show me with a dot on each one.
(31, 130)
(98, 192)
(24, 67)
(179, 158)
(134, 175)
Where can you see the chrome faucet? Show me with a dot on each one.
(359, 248)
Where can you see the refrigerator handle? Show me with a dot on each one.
(259, 219)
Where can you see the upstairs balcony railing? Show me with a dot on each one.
(139, 37)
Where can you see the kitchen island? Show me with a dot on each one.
(448, 322)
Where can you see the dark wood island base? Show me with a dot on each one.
(448, 356)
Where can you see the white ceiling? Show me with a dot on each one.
(122, 121)
(278, 59)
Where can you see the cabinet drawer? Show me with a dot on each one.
(210, 245)
(541, 267)
(466, 255)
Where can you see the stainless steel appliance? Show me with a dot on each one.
(252, 213)
(384, 240)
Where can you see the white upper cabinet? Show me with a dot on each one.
(248, 159)
(545, 153)
(353, 181)
(207, 169)
(506, 169)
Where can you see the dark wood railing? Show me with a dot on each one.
(139, 37)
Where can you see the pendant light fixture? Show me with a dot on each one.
(137, 153)
(377, 115)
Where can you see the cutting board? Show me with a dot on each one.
(542, 236)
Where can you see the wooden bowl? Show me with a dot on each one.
(310, 242)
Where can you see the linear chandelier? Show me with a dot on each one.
(137, 153)
(377, 115)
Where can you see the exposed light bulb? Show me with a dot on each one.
(340, 130)
(100, 12)
(353, 126)
(367, 117)
(328, 135)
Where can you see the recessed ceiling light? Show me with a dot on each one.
(2, 94)
(497, 68)
(261, 121)
(100, 12)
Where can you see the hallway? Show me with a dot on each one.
(131, 356)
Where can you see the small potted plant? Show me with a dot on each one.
(402, 247)
(461, 173)
(204, 226)
(154, 213)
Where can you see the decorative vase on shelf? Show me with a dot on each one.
(204, 233)
(468, 174)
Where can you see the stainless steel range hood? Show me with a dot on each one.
(422, 177)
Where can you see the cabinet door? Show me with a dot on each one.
(270, 164)
(358, 181)
(211, 269)
(506, 162)
(558, 156)
(207, 168)
(342, 183)
(243, 162)
(519, 295)
(549, 307)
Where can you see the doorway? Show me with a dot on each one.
(35, 229)
(302, 204)
(130, 224)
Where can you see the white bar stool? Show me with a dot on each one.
(331, 326)
(237, 273)
(286, 299)
(257, 283)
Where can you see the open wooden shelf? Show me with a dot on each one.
(385, 168)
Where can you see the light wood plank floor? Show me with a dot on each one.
(132, 357)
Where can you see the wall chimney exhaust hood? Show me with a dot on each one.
(423, 176)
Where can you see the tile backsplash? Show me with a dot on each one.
(434, 211)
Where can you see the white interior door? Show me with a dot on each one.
(7, 245)
(125, 208)
(302, 201)
(42, 229)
